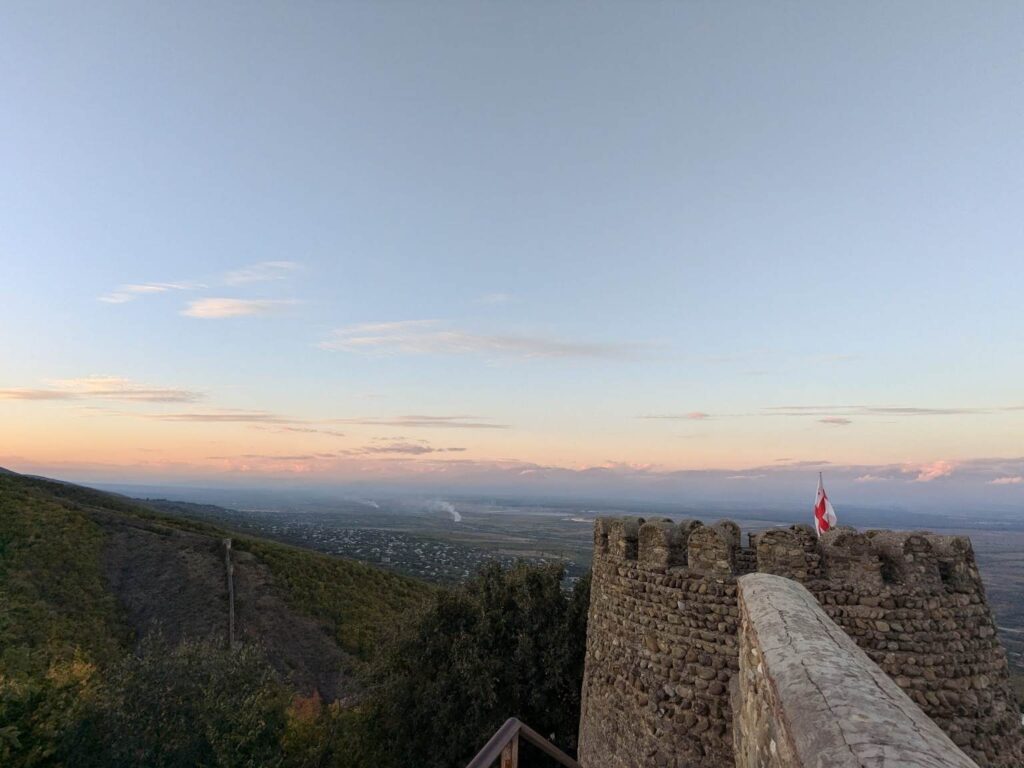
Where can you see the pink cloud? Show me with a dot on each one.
(933, 471)
(1014, 480)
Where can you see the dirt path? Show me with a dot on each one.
(175, 580)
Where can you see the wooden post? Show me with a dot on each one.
(510, 754)
(230, 569)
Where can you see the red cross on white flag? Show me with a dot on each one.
(824, 515)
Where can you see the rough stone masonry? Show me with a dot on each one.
(662, 635)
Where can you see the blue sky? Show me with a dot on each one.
(774, 225)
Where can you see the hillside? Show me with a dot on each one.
(114, 653)
(87, 575)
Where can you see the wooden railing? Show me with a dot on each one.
(505, 744)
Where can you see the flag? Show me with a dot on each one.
(824, 515)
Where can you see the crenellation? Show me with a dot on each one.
(623, 537)
(908, 558)
(957, 566)
(663, 634)
(660, 544)
(848, 557)
(602, 526)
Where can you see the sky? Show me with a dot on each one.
(553, 247)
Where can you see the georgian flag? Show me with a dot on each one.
(824, 515)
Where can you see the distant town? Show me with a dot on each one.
(437, 555)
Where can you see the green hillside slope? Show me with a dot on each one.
(86, 577)
(52, 564)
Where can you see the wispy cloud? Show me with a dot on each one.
(35, 394)
(841, 415)
(132, 291)
(223, 416)
(280, 422)
(312, 431)
(261, 272)
(420, 421)
(871, 410)
(279, 457)
(417, 448)
(691, 416)
(220, 308)
(1014, 480)
(431, 337)
(101, 388)
(869, 478)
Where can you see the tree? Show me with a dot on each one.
(507, 643)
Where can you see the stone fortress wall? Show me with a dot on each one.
(662, 635)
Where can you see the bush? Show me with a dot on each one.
(40, 717)
(195, 704)
(319, 735)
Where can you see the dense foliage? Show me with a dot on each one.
(444, 668)
(508, 643)
(176, 707)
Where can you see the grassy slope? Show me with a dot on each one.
(359, 602)
(53, 599)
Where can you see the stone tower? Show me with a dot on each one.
(662, 634)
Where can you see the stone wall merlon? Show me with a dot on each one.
(907, 557)
(807, 695)
(712, 549)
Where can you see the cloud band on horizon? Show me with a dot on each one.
(102, 388)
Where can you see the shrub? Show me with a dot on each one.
(195, 704)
